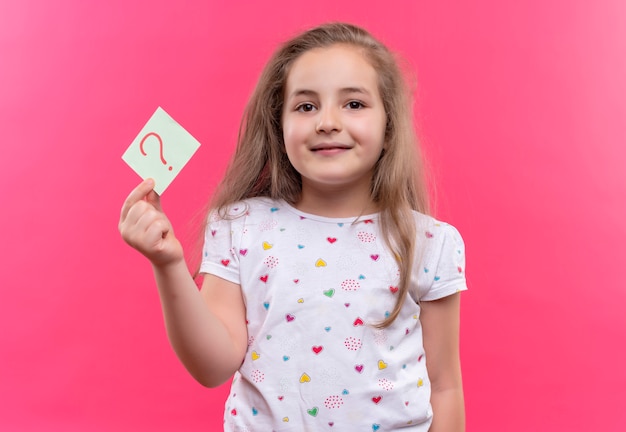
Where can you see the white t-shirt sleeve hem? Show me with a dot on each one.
(444, 291)
(214, 269)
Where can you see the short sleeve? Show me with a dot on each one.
(218, 253)
(442, 270)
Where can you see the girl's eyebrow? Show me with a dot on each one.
(354, 90)
(345, 90)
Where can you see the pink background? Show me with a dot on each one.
(521, 108)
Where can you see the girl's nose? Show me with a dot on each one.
(328, 121)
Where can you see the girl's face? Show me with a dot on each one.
(333, 119)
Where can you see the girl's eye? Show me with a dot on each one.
(355, 105)
(305, 107)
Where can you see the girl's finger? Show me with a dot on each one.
(137, 194)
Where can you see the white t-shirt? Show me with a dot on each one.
(313, 286)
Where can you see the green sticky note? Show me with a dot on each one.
(160, 150)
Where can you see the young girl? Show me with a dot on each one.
(327, 291)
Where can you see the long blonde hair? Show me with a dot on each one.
(260, 167)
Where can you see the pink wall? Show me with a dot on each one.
(522, 110)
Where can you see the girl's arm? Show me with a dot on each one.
(206, 328)
(440, 325)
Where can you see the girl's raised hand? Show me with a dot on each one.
(145, 227)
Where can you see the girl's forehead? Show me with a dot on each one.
(337, 65)
(343, 54)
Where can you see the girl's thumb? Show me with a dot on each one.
(154, 199)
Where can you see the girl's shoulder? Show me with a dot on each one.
(429, 227)
(436, 237)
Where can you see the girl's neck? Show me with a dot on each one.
(335, 203)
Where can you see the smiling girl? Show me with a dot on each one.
(328, 291)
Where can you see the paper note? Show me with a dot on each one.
(161, 150)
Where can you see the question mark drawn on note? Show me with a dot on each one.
(160, 147)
